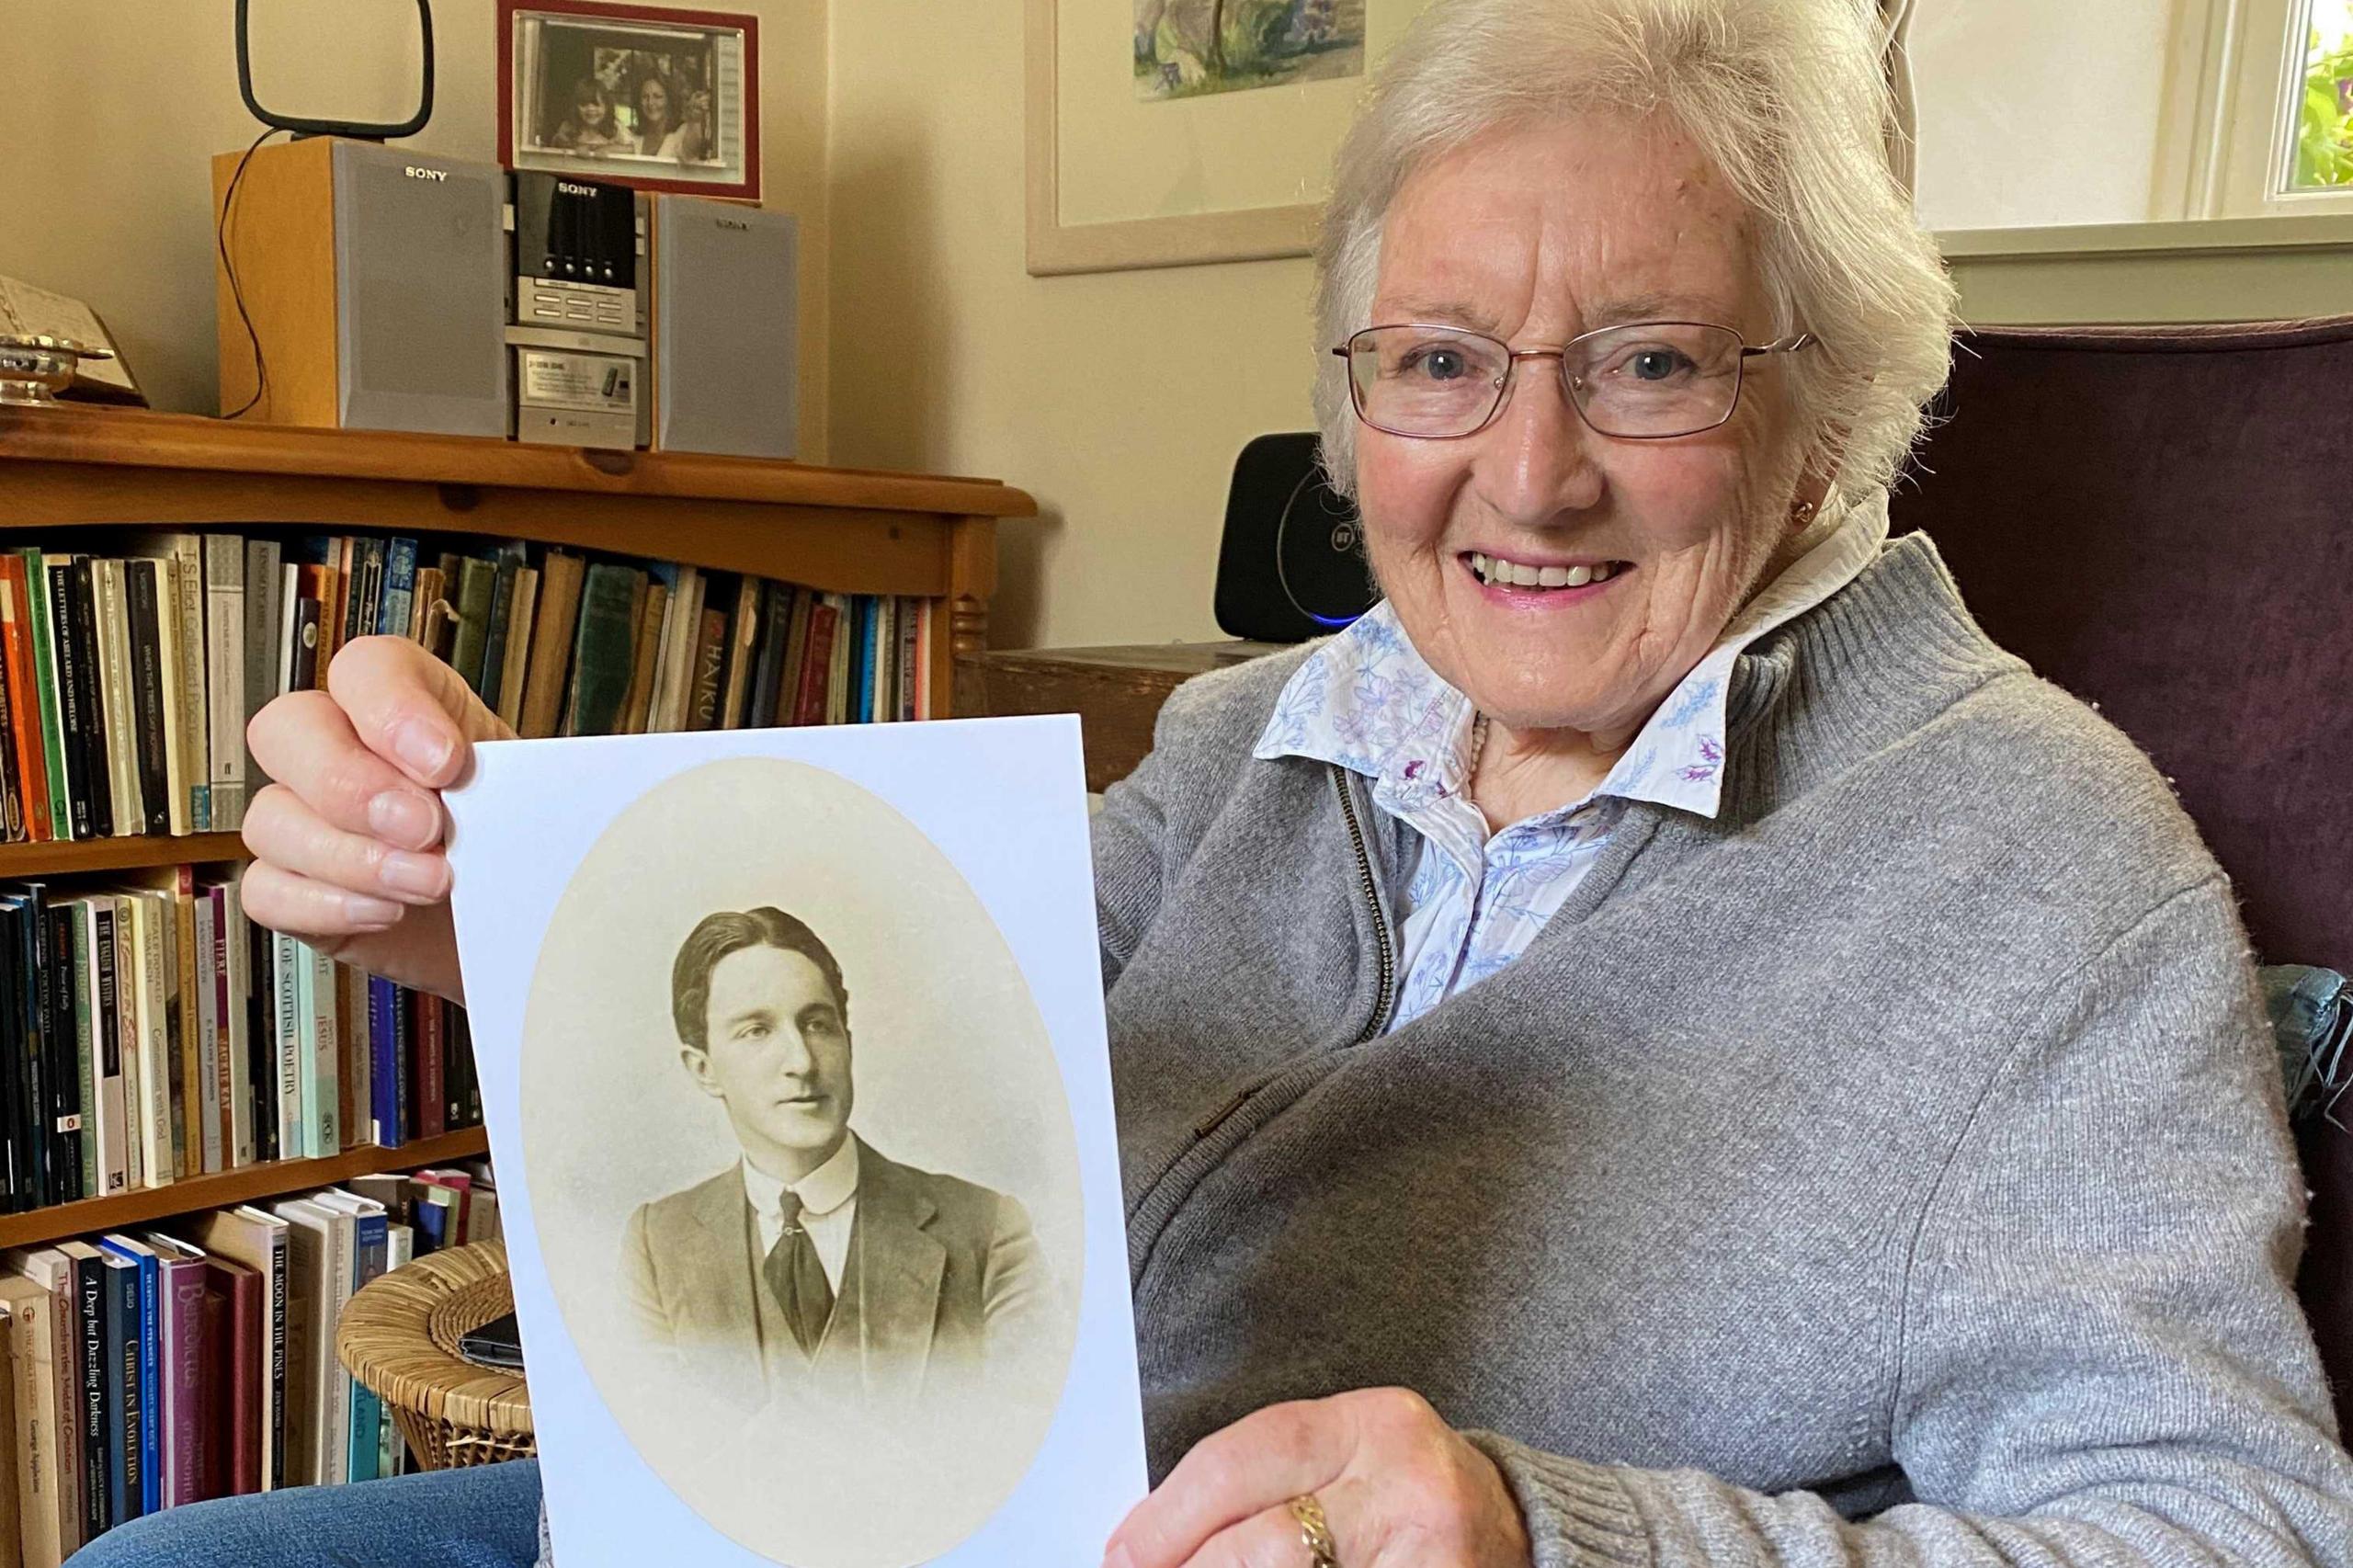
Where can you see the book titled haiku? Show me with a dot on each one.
(792, 1050)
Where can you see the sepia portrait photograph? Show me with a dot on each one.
(803, 1173)
(653, 97)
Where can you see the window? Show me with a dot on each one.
(2260, 118)
(2324, 109)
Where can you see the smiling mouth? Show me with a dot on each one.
(1495, 571)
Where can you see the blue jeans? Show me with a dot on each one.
(483, 1517)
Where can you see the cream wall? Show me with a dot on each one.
(2015, 131)
(1118, 399)
(116, 107)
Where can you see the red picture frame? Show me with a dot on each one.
(574, 41)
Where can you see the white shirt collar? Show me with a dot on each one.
(820, 1192)
(1365, 702)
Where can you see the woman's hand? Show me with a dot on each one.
(1400, 1489)
(347, 842)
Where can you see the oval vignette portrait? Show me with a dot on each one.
(805, 1170)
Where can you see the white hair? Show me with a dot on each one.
(1786, 98)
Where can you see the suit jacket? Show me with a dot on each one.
(944, 1283)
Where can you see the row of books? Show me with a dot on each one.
(148, 1371)
(150, 1032)
(126, 684)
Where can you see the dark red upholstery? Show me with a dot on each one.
(2161, 520)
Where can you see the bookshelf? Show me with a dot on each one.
(250, 1184)
(845, 532)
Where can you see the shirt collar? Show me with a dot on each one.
(1365, 702)
(822, 1191)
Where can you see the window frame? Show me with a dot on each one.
(2216, 159)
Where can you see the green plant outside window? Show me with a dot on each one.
(2324, 124)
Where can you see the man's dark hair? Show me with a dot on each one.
(732, 931)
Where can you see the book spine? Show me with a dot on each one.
(150, 1385)
(710, 652)
(157, 1127)
(47, 693)
(151, 747)
(367, 1435)
(290, 965)
(125, 1487)
(281, 1304)
(383, 1085)
(90, 651)
(195, 712)
(432, 1075)
(400, 588)
(328, 1128)
(177, 912)
(263, 588)
(522, 619)
(118, 1143)
(817, 662)
(236, 976)
(224, 675)
(73, 717)
(184, 1359)
(63, 1060)
(31, 1374)
(101, 1484)
(203, 967)
(24, 698)
(246, 1305)
(96, 1170)
(490, 686)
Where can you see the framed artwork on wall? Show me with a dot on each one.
(1173, 133)
(641, 95)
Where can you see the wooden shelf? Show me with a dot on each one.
(79, 855)
(126, 438)
(841, 530)
(274, 1179)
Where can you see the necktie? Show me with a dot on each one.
(798, 1279)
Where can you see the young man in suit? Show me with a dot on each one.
(814, 1265)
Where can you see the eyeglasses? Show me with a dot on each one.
(1648, 381)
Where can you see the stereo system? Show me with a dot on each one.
(1291, 564)
(578, 325)
(367, 288)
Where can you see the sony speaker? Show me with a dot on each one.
(374, 281)
(726, 328)
(1293, 563)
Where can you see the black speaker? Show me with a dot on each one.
(1293, 565)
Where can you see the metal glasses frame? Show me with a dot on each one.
(1790, 344)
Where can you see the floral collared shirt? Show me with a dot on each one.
(1473, 899)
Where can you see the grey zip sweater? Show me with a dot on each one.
(1890, 1171)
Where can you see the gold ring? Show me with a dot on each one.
(1315, 1531)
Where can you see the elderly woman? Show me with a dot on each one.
(1660, 1044)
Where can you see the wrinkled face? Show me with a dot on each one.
(1534, 236)
(777, 1051)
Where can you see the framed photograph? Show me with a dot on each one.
(1171, 133)
(641, 95)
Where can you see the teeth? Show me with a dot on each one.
(1512, 573)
